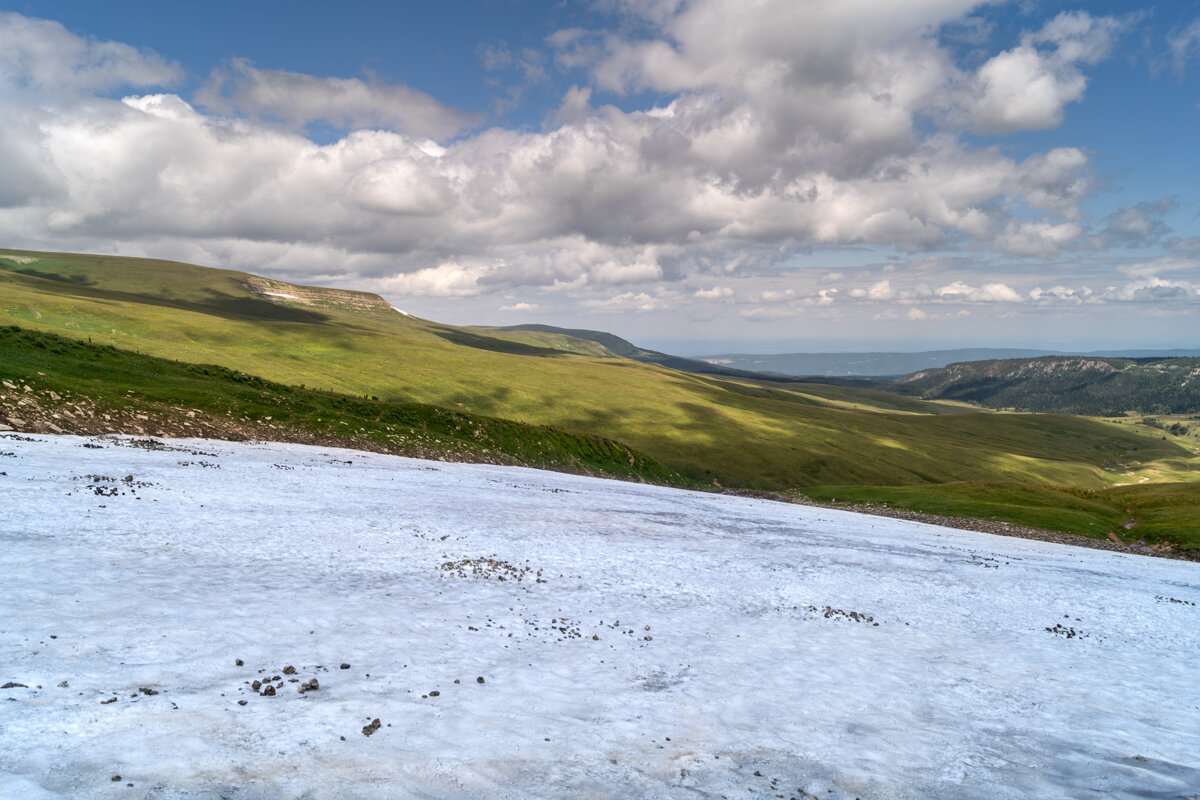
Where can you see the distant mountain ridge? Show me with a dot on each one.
(887, 365)
(1067, 384)
(620, 347)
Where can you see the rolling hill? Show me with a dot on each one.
(706, 429)
(1067, 384)
(890, 365)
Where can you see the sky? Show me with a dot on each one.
(700, 177)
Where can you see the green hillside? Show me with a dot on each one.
(89, 388)
(1149, 512)
(708, 429)
(1067, 384)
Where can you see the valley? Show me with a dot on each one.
(320, 354)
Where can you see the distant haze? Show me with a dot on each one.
(891, 364)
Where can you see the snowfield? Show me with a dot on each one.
(633, 641)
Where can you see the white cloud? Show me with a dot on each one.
(881, 290)
(627, 301)
(1152, 289)
(782, 127)
(1137, 225)
(916, 313)
(520, 307)
(1026, 88)
(1184, 45)
(1060, 293)
(1037, 239)
(45, 57)
(444, 280)
(988, 293)
(825, 297)
(300, 99)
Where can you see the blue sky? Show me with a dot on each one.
(703, 175)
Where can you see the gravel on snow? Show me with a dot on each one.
(461, 631)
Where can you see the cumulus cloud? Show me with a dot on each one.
(445, 280)
(627, 301)
(988, 293)
(880, 290)
(299, 99)
(1026, 88)
(1060, 293)
(1137, 225)
(1037, 239)
(44, 56)
(1152, 290)
(776, 128)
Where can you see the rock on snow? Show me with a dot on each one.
(634, 641)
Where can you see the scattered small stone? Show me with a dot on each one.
(12, 685)
(116, 778)
(344, 666)
(369, 729)
(289, 670)
(63, 684)
(268, 691)
(479, 679)
(109, 700)
(456, 680)
(256, 685)
(239, 663)
(241, 702)
(148, 692)
(434, 693)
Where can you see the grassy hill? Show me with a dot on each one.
(55, 384)
(618, 346)
(1067, 384)
(1153, 512)
(730, 431)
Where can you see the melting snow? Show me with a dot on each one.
(634, 641)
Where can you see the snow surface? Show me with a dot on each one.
(742, 648)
